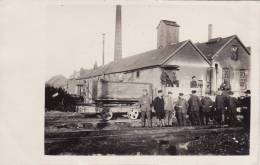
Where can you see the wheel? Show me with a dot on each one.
(106, 114)
(133, 114)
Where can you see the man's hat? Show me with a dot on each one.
(181, 94)
(193, 76)
(159, 91)
(248, 92)
(193, 91)
(169, 92)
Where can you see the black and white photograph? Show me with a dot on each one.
(184, 89)
(129, 82)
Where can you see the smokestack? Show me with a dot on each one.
(210, 31)
(118, 35)
(103, 53)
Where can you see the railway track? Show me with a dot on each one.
(136, 133)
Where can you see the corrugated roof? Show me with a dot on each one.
(147, 59)
(210, 48)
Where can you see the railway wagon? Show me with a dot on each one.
(110, 98)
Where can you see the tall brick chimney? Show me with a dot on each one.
(167, 33)
(118, 35)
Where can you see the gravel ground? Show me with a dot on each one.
(212, 143)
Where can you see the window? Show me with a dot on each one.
(226, 75)
(243, 79)
(138, 74)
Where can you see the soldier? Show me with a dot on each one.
(194, 107)
(145, 103)
(206, 105)
(232, 108)
(220, 103)
(168, 106)
(181, 108)
(158, 104)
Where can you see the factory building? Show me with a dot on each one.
(175, 66)
(230, 63)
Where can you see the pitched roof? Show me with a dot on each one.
(150, 58)
(210, 48)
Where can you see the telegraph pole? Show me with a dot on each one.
(103, 53)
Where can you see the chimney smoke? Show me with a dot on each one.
(118, 35)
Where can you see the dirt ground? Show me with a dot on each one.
(74, 134)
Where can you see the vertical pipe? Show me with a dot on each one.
(103, 53)
(210, 31)
(118, 35)
(216, 68)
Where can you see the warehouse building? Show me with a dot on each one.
(177, 66)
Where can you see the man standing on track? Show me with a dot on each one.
(220, 103)
(168, 106)
(232, 109)
(146, 111)
(206, 107)
(246, 110)
(181, 108)
(194, 108)
(158, 104)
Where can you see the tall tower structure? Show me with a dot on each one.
(118, 35)
(103, 51)
(167, 33)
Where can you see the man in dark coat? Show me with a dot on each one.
(194, 108)
(145, 103)
(220, 104)
(246, 108)
(158, 105)
(206, 105)
(232, 109)
(181, 108)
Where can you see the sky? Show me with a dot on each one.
(74, 32)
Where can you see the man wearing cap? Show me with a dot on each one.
(181, 108)
(220, 103)
(145, 103)
(158, 104)
(206, 105)
(168, 107)
(194, 108)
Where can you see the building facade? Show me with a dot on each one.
(174, 65)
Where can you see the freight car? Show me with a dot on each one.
(110, 98)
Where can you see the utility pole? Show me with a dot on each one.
(103, 53)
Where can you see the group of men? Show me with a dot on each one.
(195, 110)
